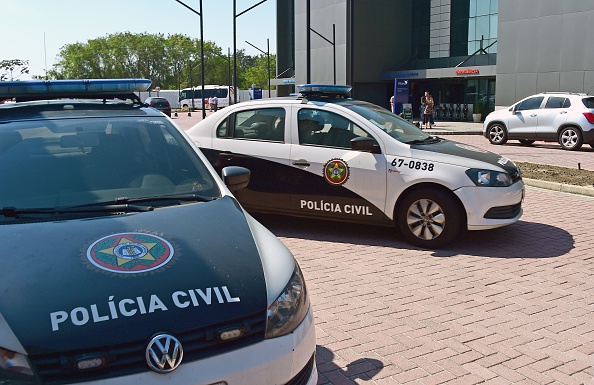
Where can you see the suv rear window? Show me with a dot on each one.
(588, 102)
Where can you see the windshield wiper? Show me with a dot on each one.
(167, 198)
(118, 205)
(428, 140)
(13, 212)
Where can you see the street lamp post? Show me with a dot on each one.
(268, 56)
(235, 16)
(199, 13)
(229, 76)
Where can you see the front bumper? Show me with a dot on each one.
(481, 202)
(273, 361)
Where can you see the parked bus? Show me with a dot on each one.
(192, 97)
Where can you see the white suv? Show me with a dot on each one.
(567, 118)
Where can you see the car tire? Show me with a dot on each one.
(497, 134)
(429, 218)
(570, 138)
(526, 142)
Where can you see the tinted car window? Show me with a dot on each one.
(261, 124)
(327, 129)
(398, 128)
(557, 102)
(588, 102)
(222, 131)
(91, 160)
(159, 102)
(530, 103)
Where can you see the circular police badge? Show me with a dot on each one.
(129, 253)
(336, 172)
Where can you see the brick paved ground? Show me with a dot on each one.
(506, 306)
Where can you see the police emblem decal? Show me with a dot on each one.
(129, 253)
(336, 172)
(164, 353)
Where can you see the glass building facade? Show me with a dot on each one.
(465, 22)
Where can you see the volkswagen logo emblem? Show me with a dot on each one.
(164, 353)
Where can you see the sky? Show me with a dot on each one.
(35, 30)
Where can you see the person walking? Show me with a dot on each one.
(431, 117)
(215, 103)
(428, 110)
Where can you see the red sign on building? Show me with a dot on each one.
(469, 71)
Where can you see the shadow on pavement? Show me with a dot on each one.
(544, 145)
(520, 240)
(362, 369)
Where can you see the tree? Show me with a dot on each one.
(258, 72)
(12, 69)
(171, 62)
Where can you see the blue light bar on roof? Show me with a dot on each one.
(329, 89)
(15, 89)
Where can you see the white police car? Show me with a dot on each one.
(125, 257)
(324, 155)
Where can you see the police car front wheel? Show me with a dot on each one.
(428, 218)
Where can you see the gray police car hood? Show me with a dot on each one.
(79, 284)
(464, 152)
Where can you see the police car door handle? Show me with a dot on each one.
(301, 162)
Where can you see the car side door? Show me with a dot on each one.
(552, 116)
(330, 180)
(524, 117)
(254, 138)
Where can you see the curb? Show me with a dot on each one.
(561, 187)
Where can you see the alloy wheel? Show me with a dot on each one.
(425, 219)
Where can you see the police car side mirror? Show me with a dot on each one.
(365, 144)
(235, 177)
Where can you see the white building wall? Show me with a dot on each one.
(324, 13)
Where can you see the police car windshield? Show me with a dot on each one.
(49, 163)
(393, 125)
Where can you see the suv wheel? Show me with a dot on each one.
(497, 134)
(428, 218)
(570, 138)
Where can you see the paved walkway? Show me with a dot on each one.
(505, 306)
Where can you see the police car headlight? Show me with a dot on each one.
(289, 309)
(14, 368)
(489, 178)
